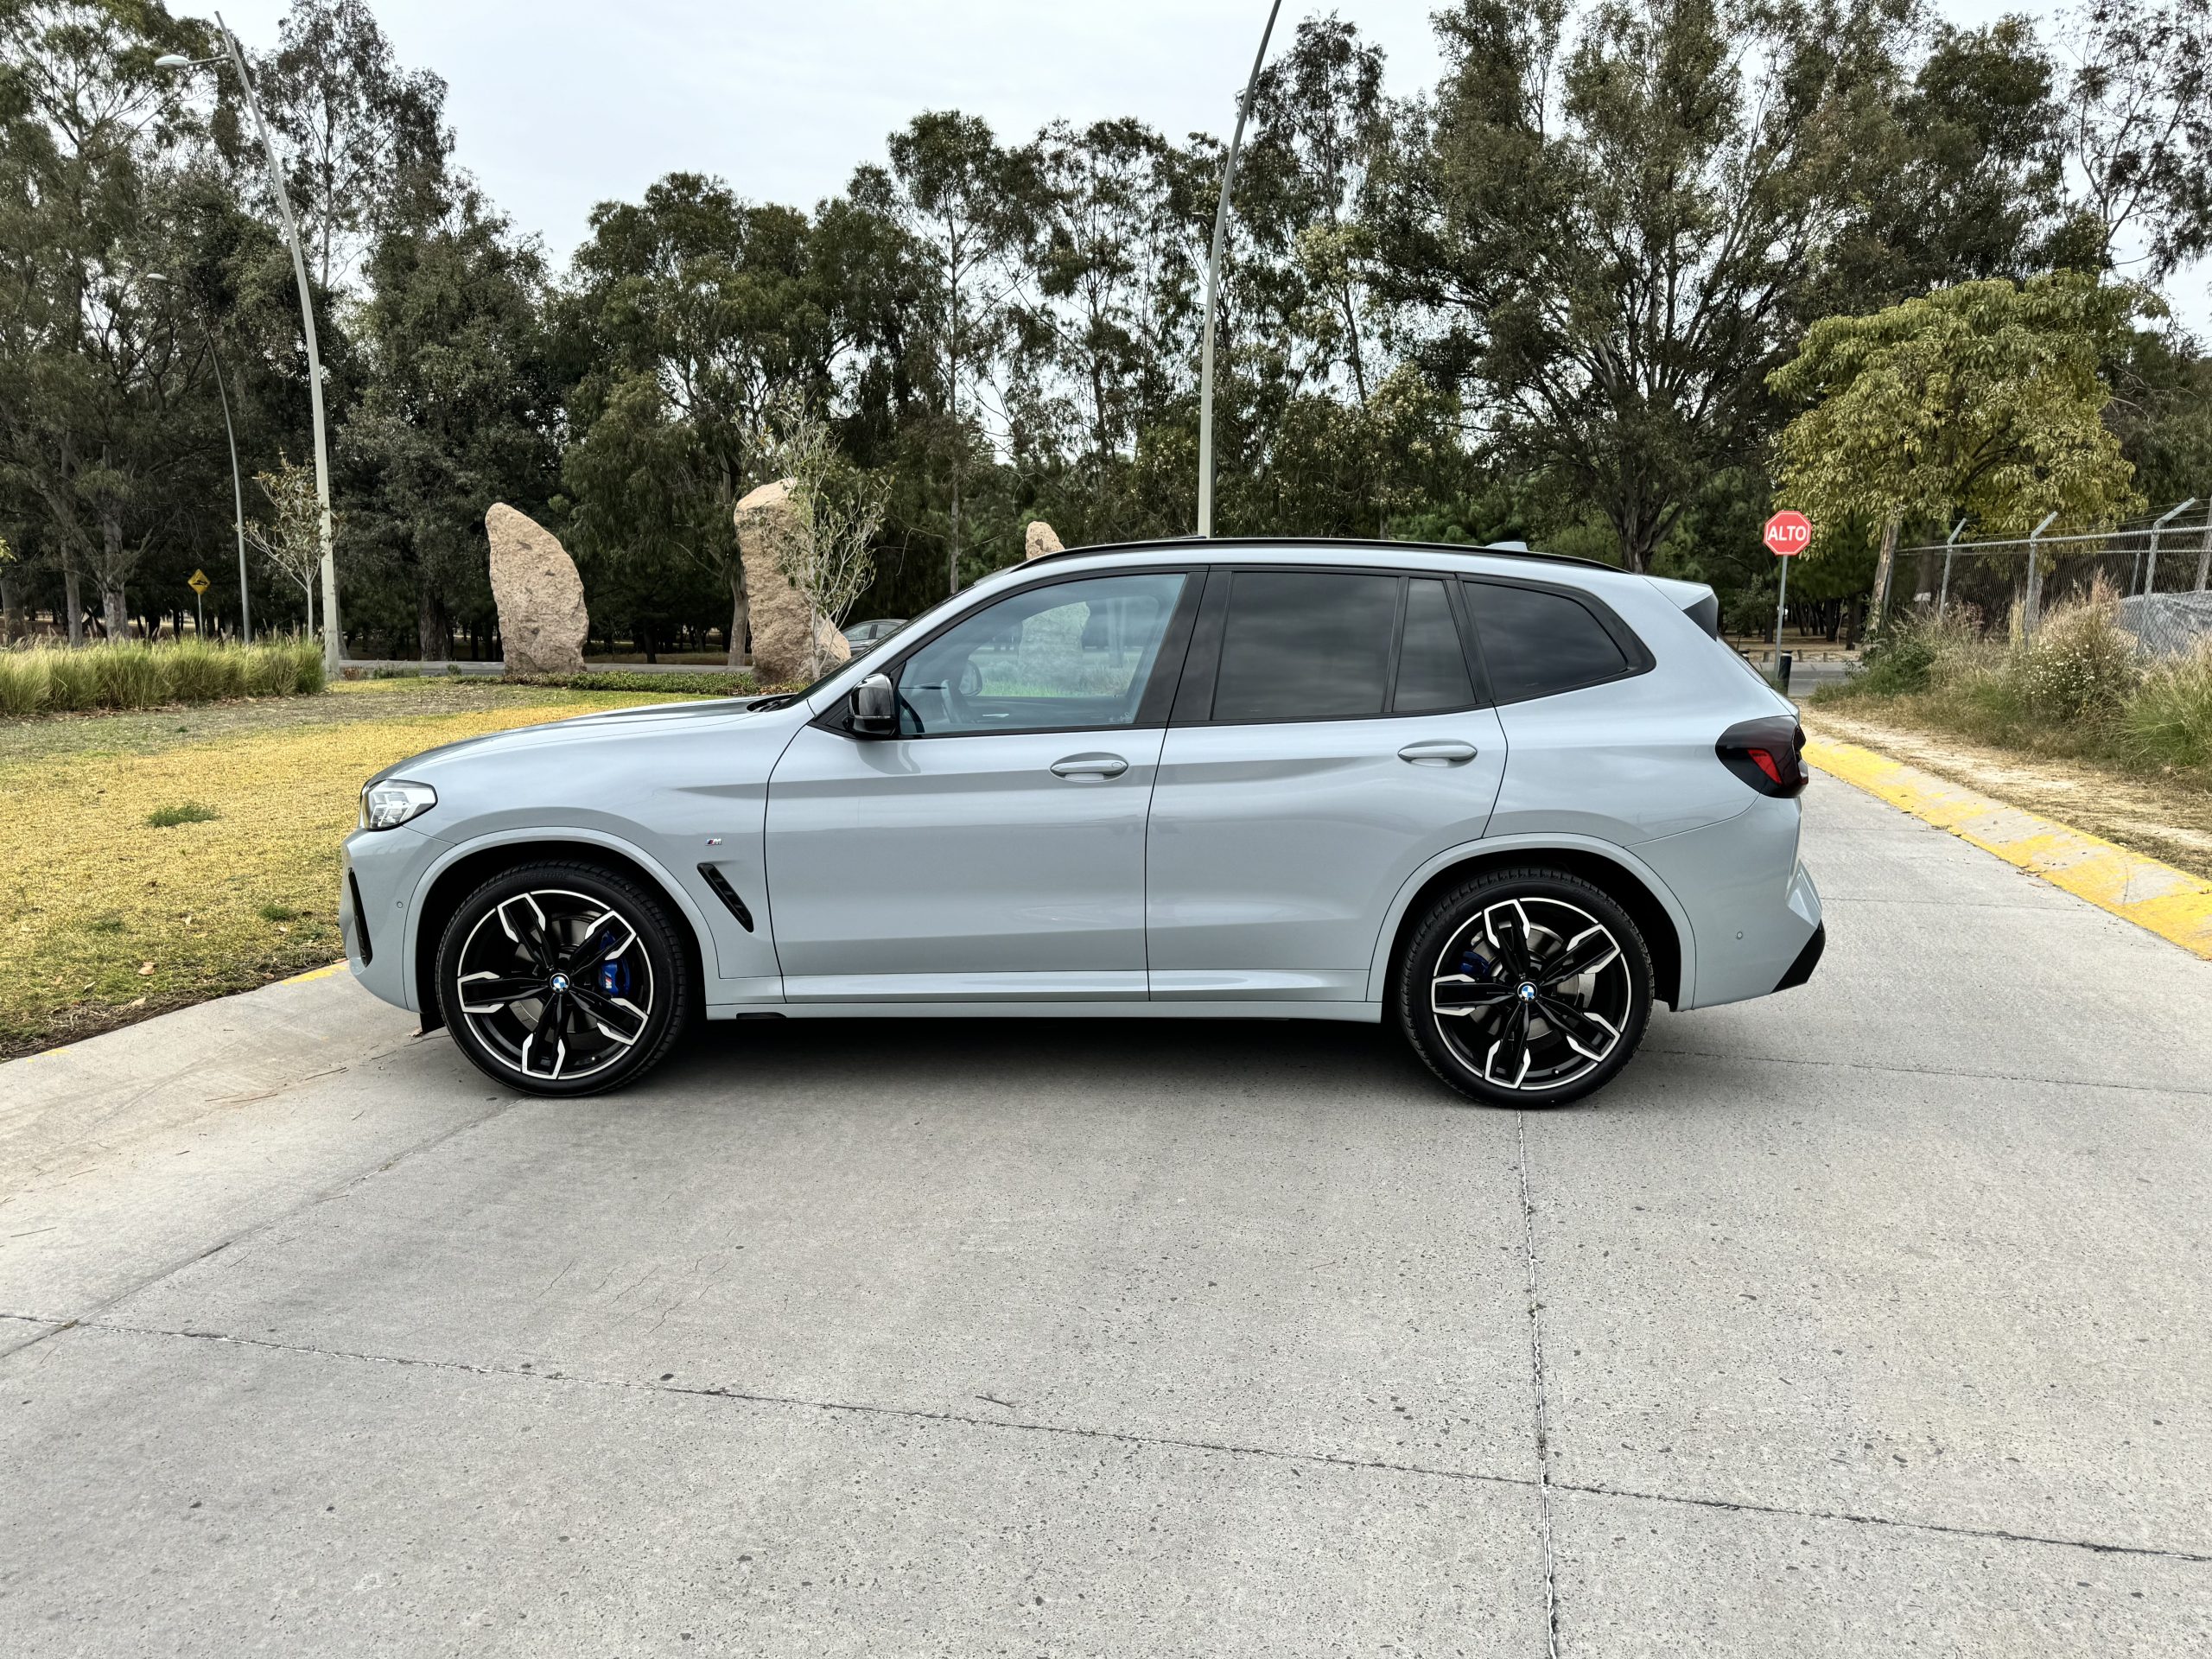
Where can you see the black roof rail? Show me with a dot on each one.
(1496, 550)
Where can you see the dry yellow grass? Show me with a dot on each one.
(105, 918)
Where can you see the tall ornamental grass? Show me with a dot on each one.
(124, 674)
(2077, 686)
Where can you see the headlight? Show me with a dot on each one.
(390, 804)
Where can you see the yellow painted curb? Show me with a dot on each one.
(315, 972)
(2172, 905)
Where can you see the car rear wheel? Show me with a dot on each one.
(562, 979)
(1525, 988)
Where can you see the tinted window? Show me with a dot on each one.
(1535, 644)
(1305, 645)
(1431, 668)
(1074, 654)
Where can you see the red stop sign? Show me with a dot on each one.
(1788, 534)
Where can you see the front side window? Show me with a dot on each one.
(1072, 655)
(1537, 644)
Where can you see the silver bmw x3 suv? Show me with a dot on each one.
(1503, 800)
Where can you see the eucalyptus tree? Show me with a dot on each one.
(87, 365)
(687, 316)
(1107, 315)
(458, 411)
(2138, 128)
(966, 204)
(366, 138)
(1608, 215)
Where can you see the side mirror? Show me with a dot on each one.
(875, 707)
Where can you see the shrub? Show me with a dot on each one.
(2169, 720)
(22, 682)
(198, 672)
(72, 679)
(2079, 665)
(124, 674)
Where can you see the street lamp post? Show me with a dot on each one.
(238, 478)
(1213, 277)
(237, 56)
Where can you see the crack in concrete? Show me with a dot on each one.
(1124, 1437)
(1536, 1375)
(1944, 1528)
(91, 1315)
(1927, 1070)
(919, 1414)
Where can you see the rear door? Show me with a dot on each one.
(1329, 737)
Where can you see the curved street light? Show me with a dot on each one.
(236, 56)
(1213, 277)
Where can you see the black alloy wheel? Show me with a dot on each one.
(562, 979)
(1526, 987)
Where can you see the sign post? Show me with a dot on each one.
(1787, 535)
(199, 583)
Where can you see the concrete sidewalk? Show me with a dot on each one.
(1869, 1318)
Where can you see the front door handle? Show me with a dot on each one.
(1090, 765)
(1437, 752)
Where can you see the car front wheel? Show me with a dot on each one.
(1525, 988)
(562, 979)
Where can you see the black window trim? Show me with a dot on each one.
(1639, 657)
(1160, 691)
(1194, 701)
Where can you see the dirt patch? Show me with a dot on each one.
(2170, 822)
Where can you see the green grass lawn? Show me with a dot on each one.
(157, 858)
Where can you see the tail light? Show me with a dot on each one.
(1768, 753)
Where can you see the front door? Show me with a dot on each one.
(994, 848)
(1340, 745)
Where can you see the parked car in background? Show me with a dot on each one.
(1503, 801)
(864, 637)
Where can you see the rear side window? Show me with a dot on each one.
(1432, 665)
(1537, 644)
(1306, 645)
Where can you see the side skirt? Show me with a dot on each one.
(1354, 1013)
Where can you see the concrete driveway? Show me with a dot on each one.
(1873, 1318)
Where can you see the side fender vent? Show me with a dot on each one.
(714, 879)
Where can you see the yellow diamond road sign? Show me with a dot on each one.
(200, 584)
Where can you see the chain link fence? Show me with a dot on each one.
(2161, 568)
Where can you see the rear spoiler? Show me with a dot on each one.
(1698, 602)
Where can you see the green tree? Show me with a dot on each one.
(2139, 125)
(691, 312)
(1983, 399)
(1611, 224)
(457, 412)
(966, 204)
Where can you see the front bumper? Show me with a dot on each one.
(383, 870)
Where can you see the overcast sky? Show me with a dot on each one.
(559, 105)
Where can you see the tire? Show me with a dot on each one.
(1530, 1035)
(539, 946)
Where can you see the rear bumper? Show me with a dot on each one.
(1807, 959)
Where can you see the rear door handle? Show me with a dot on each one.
(1437, 752)
(1090, 765)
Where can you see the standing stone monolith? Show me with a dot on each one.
(1040, 539)
(543, 623)
(777, 615)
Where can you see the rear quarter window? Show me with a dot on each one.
(1538, 642)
